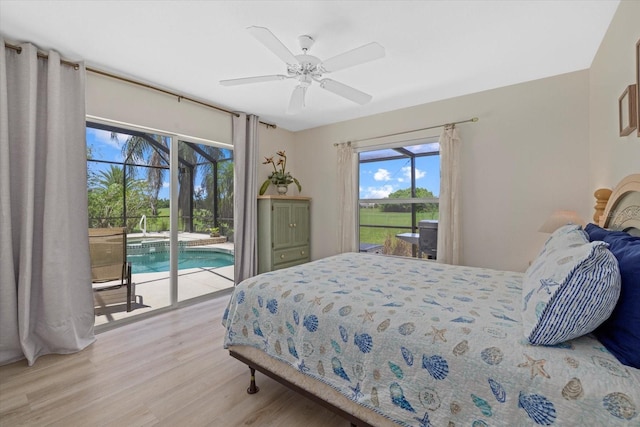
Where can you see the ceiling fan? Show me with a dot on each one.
(307, 68)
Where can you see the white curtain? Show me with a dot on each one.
(347, 198)
(449, 220)
(46, 301)
(245, 210)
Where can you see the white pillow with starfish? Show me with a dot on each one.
(570, 289)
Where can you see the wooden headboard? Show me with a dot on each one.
(620, 209)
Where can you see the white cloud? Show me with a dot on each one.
(382, 175)
(378, 192)
(406, 171)
(165, 184)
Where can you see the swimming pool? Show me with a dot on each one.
(155, 262)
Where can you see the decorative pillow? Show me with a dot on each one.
(564, 234)
(620, 334)
(596, 233)
(570, 289)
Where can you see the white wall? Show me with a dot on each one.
(525, 158)
(613, 157)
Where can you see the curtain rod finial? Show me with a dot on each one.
(475, 119)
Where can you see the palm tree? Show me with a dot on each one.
(188, 159)
(114, 175)
(139, 150)
(107, 195)
(224, 190)
(203, 159)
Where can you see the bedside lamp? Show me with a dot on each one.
(560, 218)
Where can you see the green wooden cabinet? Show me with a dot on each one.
(283, 232)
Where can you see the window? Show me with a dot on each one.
(399, 188)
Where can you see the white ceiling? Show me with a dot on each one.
(434, 49)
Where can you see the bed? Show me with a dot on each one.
(387, 341)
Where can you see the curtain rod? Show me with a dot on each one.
(76, 66)
(43, 55)
(473, 119)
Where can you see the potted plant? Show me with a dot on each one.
(279, 177)
(214, 232)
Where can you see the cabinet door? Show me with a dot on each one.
(300, 221)
(281, 224)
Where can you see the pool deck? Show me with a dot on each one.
(154, 287)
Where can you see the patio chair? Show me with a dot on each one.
(110, 271)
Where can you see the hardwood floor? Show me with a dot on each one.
(166, 370)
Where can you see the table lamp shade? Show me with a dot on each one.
(558, 219)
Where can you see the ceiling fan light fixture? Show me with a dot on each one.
(305, 80)
(307, 68)
(305, 42)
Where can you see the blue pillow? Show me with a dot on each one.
(620, 334)
(596, 233)
(570, 288)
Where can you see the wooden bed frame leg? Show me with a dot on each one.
(253, 388)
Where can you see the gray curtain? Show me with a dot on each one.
(245, 210)
(46, 301)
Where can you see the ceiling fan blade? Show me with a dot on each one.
(356, 56)
(297, 100)
(266, 37)
(248, 80)
(345, 91)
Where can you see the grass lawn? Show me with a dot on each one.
(161, 222)
(373, 216)
(202, 222)
(368, 216)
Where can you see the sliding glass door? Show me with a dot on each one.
(174, 198)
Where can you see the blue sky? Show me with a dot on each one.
(105, 148)
(102, 146)
(379, 179)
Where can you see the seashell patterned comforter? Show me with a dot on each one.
(428, 344)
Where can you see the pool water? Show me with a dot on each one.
(155, 262)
